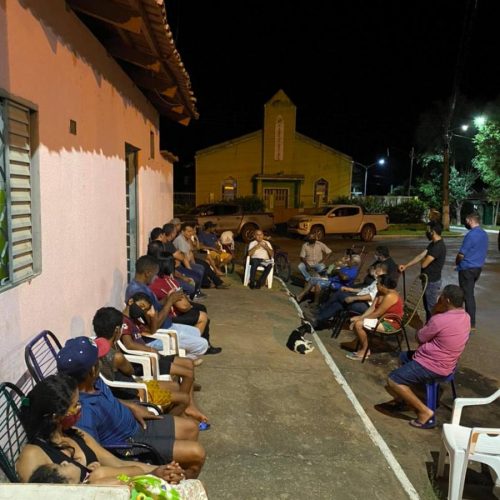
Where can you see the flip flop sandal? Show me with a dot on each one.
(204, 426)
(430, 424)
(354, 357)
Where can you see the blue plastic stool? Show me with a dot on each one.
(432, 393)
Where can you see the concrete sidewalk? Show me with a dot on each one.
(282, 427)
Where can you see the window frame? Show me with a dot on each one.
(6, 100)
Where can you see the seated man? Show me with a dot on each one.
(110, 421)
(351, 299)
(313, 255)
(209, 241)
(146, 269)
(344, 275)
(441, 343)
(183, 243)
(261, 253)
(190, 279)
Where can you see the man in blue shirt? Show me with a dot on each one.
(470, 260)
(109, 420)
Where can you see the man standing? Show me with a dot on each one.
(312, 255)
(432, 261)
(382, 254)
(441, 343)
(470, 260)
(260, 252)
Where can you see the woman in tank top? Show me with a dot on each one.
(385, 313)
(49, 414)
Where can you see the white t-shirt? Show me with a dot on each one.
(260, 253)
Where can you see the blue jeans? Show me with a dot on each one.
(315, 267)
(190, 340)
(431, 295)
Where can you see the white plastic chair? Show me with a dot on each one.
(479, 444)
(246, 278)
(153, 359)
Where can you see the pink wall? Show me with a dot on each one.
(48, 57)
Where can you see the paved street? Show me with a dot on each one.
(282, 425)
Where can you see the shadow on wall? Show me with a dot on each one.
(77, 328)
(117, 295)
(61, 26)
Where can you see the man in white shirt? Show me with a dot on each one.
(261, 253)
(312, 255)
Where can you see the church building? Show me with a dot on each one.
(287, 169)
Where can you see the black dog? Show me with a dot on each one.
(296, 341)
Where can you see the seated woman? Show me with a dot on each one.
(49, 414)
(387, 302)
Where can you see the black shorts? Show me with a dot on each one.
(188, 318)
(165, 363)
(160, 434)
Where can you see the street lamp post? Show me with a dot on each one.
(366, 167)
(449, 133)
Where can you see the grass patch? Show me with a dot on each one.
(412, 230)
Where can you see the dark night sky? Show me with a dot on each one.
(359, 72)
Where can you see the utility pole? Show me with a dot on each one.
(445, 215)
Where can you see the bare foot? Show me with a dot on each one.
(193, 412)
(425, 416)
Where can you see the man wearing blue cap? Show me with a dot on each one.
(109, 420)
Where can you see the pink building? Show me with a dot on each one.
(82, 179)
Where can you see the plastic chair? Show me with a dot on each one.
(246, 278)
(12, 434)
(462, 444)
(412, 306)
(154, 371)
(432, 393)
(40, 355)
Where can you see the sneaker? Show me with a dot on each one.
(200, 295)
(213, 350)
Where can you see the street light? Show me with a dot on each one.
(479, 121)
(366, 167)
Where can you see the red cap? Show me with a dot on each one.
(103, 346)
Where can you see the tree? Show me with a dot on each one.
(460, 188)
(429, 186)
(487, 159)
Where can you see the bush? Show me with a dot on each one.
(369, 204)
(408, 211)
(251, 203)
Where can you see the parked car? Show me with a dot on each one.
(339, 219)
(230, 217)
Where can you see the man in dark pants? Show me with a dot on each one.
(260, 252)
(470, 260)
(431, 261)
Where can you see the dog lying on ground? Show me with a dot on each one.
(296, 341)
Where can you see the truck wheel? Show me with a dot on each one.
(248, 232)
(368, 232)
(318, 231)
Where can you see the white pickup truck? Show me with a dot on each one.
(339, 219)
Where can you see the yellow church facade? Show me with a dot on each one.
(285, 168)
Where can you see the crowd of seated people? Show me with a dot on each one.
(70, 417)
